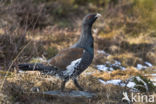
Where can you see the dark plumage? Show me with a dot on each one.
(71, 62)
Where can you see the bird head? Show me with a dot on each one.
(90, 19)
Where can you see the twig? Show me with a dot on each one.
(12, 64)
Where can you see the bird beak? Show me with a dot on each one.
(98, 15)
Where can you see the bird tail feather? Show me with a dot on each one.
(37, 67)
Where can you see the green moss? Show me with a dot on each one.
(4, 73)
(37, 60)
(50, 52)
(140, 85)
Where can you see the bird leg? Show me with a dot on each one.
(77, 84)
(63, 85)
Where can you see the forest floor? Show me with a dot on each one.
(124, 55)
(117, 58)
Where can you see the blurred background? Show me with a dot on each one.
(125, 25)
(35, 30)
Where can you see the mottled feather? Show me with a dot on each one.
(65, 57)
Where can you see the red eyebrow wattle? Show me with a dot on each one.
(89, 17)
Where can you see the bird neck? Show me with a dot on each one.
(86, 40)
(86, 33)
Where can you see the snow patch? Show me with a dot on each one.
(153, 79)
(110, 67)
(148, 64)
(114, 82)
(102, 52)
(102, 67)
(117, 62)
(131, 85)
(154, 74)
(21, 71)
(154, 84)
(140, 66)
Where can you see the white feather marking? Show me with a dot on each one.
(70, 68)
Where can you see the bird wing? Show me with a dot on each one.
(66, 57)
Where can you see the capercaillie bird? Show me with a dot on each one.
(71, 62)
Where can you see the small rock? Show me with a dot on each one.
(35, 89)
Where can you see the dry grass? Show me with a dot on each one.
(18, 88)
(125, 37)
(21, 87)
(117, 74)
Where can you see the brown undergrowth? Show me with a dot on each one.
(121, 32)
